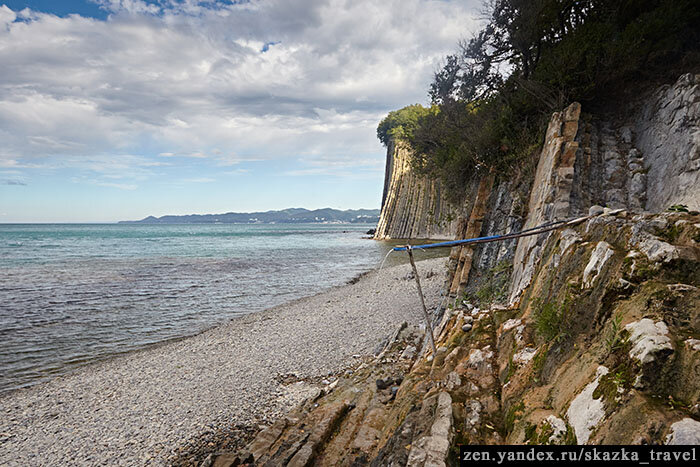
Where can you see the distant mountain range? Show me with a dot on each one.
(286, 216)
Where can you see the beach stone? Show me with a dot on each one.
(159, 400)
(467, 327)
(382, 384)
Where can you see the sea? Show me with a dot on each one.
(73, 294)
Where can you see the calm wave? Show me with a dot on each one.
(72, 294)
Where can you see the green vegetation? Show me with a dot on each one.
(491, 100)
(616, 339)
(612, 385)
(671, 233)
(551, 320)
(678, 208)
(570, 437)
(510, 369)
(542, 438)
(514, 413)
(401, 124)
(530, 433)
(495, 285)
(538, 363)
(638, 269)
(533, 437)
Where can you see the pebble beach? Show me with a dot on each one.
(145, 407)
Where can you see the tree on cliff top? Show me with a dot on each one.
(400, 124)
(492, 98)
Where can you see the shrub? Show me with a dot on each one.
(492, 98)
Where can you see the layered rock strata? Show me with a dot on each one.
(413, 206)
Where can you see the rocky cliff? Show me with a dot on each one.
(412, 206)
(645, 157)
(584, 335)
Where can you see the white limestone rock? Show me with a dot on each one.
(656, 250)
(568, 238)
(479, 356)
(686, 431)
(525, 355)
(681, 288)
(510, 324)
(519, 334)
(453, 381)
(694, 344)
(648, 339)
(585, 412)
(626, 134)
(558, 429)
(601, 254)
(666, 132)
(473, 417)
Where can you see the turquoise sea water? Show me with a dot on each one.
(73, 294)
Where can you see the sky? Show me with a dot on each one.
(119, 109)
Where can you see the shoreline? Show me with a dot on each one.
(140, 407)
(172, 340)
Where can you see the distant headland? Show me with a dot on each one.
(285, 216)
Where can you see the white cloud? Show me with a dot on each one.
(199, 180)
(120, 186)
(189, 77)
(7, 16)
(236, 172)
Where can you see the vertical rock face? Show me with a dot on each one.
(412, 206)
(667, 132)
(551, 192)
(647, 160)
(464, 255)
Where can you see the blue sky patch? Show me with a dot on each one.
(61, 8)
(267, 46)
